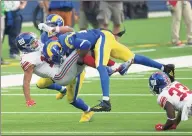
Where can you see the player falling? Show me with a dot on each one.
(104, 46)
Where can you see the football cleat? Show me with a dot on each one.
(103, 106)
(60, 96)
(123, 68)
(169, 69)
(86, 116)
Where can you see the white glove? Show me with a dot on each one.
(45, 27)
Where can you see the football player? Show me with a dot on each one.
(172, 96)
(54, 27)
(104, 46)
(67, 74)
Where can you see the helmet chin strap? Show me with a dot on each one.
(160, 90)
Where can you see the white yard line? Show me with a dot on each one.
(142, 51)
(180, 62)
(80, 94)
(50, 112)
(129, 78)
(96, 132)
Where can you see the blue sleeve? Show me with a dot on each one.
(43, 36)
(82, 44)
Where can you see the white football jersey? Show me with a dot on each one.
(42, 67)
(178, 95)
(68, 70)
(61, 75)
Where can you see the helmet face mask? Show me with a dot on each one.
(28, 42)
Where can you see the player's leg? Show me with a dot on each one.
(72, 92)
(120, 51)
(102, 55)
(188, 20)
(176, 22)
(43, 83)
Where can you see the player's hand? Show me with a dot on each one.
(30, 103)
(159, 127)
(45, 27)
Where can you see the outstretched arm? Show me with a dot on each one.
(63, 29)
(26, 85)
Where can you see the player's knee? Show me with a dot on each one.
(41, 84)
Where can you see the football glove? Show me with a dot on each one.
(159, 127)
(45, 27)
(30, 103)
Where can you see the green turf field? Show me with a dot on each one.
(134, 109)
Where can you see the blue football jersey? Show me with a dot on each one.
(84, 40)
(45, 37)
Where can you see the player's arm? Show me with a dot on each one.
(63, 29)
(26, 85)
(83, 46)
(171, 120)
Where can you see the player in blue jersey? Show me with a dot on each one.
(104, 46)
(53, 27)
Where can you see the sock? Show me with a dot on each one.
(139, 59)
(89, 61)
(79, 103)
(104, 77)
(111, 63)
(63, 90)
(55, 86)
(106, 98)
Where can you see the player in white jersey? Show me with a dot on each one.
(172, 97)
(66, 74)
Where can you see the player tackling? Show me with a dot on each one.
(172, 96)
(66, 74)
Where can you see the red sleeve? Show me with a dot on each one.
(172, 2)
(89, 61)
(25, 65)
(163, 101)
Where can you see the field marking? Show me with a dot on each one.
(142, 51)
(178, 47)
(80, 94)
(3, 91)
(180, 62)
(88, 132)
(129, 78)
(81, 112)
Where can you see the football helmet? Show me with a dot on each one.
(54, 20)
(28, 42)
(158, 81)
(52, 50)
